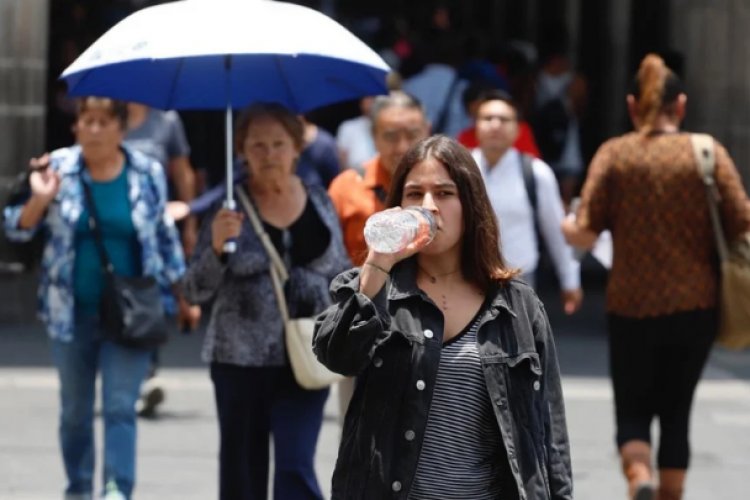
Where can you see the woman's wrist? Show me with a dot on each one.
(378, 267)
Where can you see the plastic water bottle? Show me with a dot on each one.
(392, 231)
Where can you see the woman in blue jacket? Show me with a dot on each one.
(129, 193)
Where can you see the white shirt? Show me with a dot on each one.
(507, 193)
(354, 138)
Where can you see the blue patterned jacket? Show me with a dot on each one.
(161, 253)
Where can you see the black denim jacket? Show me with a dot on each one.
(392, 344)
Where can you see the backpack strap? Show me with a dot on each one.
(442, 117)
(529, 182)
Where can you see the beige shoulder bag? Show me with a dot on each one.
(734, 301)
(298, 332)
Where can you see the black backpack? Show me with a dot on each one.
(550, 123)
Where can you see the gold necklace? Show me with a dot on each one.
(433, 277)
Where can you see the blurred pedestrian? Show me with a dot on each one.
(129, 193)
(354, 138)
(319, 161)
(439, 86)
(161, 136)
(399, 122)
(644, 187)
(559, 103)
(471, 98)
(525, 197)
(458, 392)
(255, 390)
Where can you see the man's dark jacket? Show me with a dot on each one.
(392, 345)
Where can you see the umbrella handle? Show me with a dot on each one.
(230, 245)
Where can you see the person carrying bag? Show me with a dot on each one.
(308, 371)
(257, 392)
(131, 311)
(734, 298)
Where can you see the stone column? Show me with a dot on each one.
(713, 35)
(23, 67)
(617, 70)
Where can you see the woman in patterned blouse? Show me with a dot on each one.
(645, 188)
(256, 393)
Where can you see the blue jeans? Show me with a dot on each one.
(254, 403)
(122, 371)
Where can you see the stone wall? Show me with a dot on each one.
(714, 37)
(23, 66)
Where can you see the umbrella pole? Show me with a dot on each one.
(230, 246)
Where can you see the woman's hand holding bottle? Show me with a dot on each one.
(392, 236)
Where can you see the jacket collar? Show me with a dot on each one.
(72, 163)
(403, 284)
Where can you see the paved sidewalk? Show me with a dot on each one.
(177, 451)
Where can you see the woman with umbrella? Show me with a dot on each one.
(256, 393)
(128, 192)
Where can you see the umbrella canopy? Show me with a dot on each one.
(213, 54)
(225, 54)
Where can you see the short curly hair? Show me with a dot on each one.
(291, 123)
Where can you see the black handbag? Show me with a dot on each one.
(24, 256)
(131, 312)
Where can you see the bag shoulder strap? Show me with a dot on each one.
(276, 261)
(705, 157)
(442, 117)
(279, 273)
(94, 225)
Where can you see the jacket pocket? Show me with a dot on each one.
(534, 364)
(520, 383)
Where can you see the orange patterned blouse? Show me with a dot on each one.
(647, 191)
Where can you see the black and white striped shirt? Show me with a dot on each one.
(460, 455)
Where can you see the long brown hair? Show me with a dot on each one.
(655, 89)
(482, 261)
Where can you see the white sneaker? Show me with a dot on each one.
(112, 493)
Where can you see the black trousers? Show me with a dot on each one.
(655, 364)
(253, 404)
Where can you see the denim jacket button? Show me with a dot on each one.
(377, 362)
(428, 333)
(409, 435)
(396, 486)
(500, 403)
(537, 385)
(420, 385)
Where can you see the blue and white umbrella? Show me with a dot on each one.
(226, 54)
